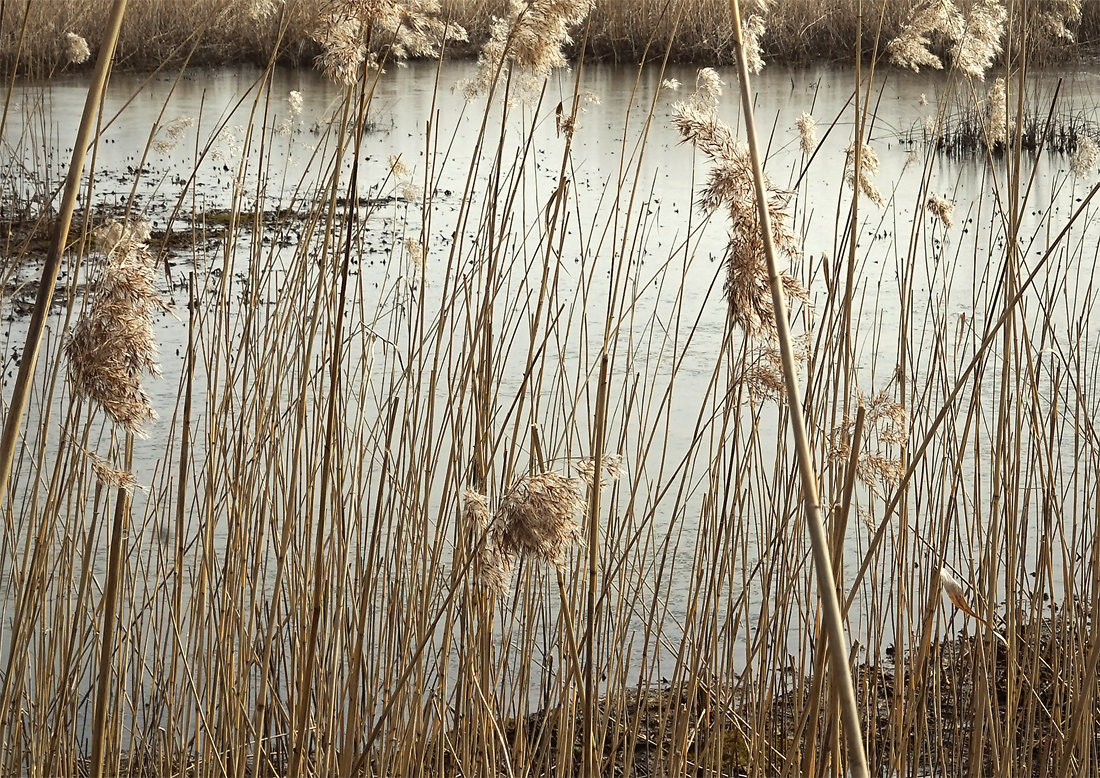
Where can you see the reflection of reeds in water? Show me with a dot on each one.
(306, 581)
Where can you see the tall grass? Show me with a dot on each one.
(523, 502)
(209, 32)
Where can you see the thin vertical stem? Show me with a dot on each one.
(115, 556)
(590, 766)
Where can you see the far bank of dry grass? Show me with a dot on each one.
(211, 32)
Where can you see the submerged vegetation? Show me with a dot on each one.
(525, 500)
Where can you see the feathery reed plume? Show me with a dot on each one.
(528, 44)
(294, 103)
(708, 88)
(868, 166)
(168, 135)
(940, 208)
(980, 39)
(931, 18)
(492, 565)
(261, 10)
(763, 372)
(954, 591)
(538, 517)
(612, 467)
(729, 183)
(394, 29)
(415, 250)
(75, 49)
(397, 167)
(342, 49)
(1085, 156)
(752, 31)
(1052, 23)
(997, 125)
(886, 423)
(672, 84)
(108, 475)
(807, 133)
(407, 189)
(113, 345)
(975, 39)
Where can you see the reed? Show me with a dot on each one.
(208, 32)
(526, 496)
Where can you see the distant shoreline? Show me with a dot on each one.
(162, 33)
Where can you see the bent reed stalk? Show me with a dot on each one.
(471, 460)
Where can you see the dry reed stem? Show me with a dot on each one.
(13, 420)
(826, 584)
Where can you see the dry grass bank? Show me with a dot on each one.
(213, 33)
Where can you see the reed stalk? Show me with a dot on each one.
(832, 617)
(13, 420)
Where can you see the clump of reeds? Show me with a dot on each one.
(527, 43)
(973, 38)
(112, 346)
(357, 33)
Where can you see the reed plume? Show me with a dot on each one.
(997, 124)
(492, 566)
(168, 135)
(612, 468)
(528, 44)
(886, 424)
(1084, 157)
(75, 49)
(807, 133)
(1054, 20)
(352, 33)
(752, 32)
(110, 476)
(538, 517)
(261, 10)
(868, 166)
(928, 20)
(940, 208)
(979, 40)
(112, 346)
(729, 184)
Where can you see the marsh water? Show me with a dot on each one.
(624, 142)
